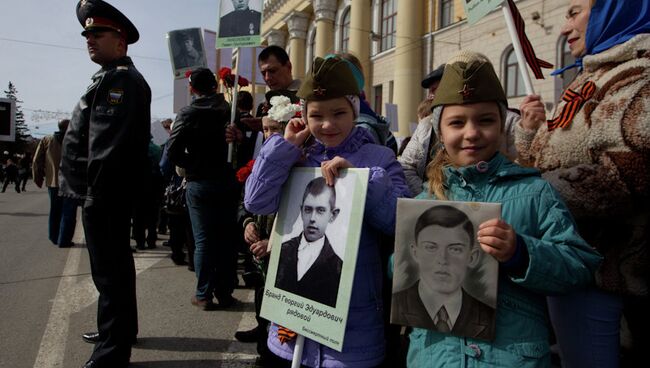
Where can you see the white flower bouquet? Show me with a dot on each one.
(282, 109)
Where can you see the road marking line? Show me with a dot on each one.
(52, 349)
(238, 351)
(74, 294)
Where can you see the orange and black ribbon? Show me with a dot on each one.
(285, 334)
(574, 101)
(535, 64)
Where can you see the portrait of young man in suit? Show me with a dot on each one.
(445, 250)
(308, 265)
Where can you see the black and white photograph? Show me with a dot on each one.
(305, 258)
(186, 50)
(314, 244)
(239, 18)
(442, 279)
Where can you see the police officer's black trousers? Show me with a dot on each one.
(106, 226)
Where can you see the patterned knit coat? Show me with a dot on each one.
(600, 163)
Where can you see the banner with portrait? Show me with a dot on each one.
(239, 23)
(442, 279)
(186, 50)
(477, 9)
(314, 246)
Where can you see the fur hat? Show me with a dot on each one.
(328, 79)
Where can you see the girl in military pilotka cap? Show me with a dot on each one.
(326, 137)
(535, 240)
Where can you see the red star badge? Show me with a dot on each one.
(466, 91)
(319, 91)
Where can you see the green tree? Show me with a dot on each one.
(23, 137)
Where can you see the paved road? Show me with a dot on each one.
(47, 299)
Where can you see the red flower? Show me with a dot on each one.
(224, 72)
(244, 172)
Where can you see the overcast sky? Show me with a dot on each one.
(44, 55)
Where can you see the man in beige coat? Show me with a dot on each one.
(45, 167)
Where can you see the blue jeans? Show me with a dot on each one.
(587, 326)
(63, 218)
(212, 206)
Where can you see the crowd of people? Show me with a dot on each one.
(16, 170)
(571, 242)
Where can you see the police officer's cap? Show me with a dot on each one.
(97, 15)
(432, 77)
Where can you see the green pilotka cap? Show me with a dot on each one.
(468, 78)
(329, 78)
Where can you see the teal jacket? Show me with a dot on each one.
(551, 259)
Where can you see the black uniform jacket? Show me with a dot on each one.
(104, 152)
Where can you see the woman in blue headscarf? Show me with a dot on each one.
(596, 153)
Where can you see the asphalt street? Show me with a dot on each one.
(48, 299)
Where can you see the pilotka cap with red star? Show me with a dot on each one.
(327, 79)
(100, 16)
(468, 78)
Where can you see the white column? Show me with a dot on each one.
(277, 37)
(360, 26)
(408, 60)
(325, 11)
(297, 22)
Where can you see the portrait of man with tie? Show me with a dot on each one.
(445, 250)
(308, 265)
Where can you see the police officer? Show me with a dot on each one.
(104, 155)
(240, 22)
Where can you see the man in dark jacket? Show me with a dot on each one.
(104, 156)
(198, 144)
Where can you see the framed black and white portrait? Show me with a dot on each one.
(186, 50)
(314, 246)
(442, 279)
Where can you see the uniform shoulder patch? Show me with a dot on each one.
(115, 96)
(122, 67)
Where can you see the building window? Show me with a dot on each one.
(513, 80)
(388, 20)
(446, 13)
(378, 99)
(345, 30)
(567, 59)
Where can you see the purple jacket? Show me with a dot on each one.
(364, 344)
